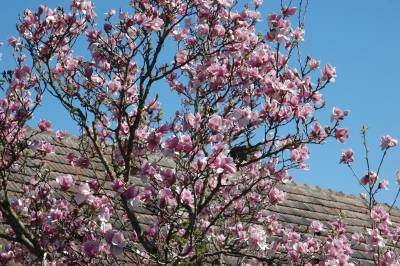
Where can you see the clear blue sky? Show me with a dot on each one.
(360, 37)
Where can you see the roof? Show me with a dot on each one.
(303, 203)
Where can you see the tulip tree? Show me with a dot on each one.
(246, 112)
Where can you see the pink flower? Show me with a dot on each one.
(60, 134)
(56, 214)
(317, 131)
(375, 238)
(203, 29)
(379, 215)
(187, 197)
(154, 24)
(225, 3)
(166, 198)
(316, 227)
(384, 184)
(329, 73)
(313, 64)
(117, 241)
(216, 123)
(44, 125)
(91, 248)
(341, 134)
(318, 99)
(153, 230)
(65, 181)
(289, 11)
(257, 3)
(257, 237)
(169, 175)
(218, 30)
(275, 196)
(298, 35)
(118, 185)
(347, 156)
(47, 148)
(193, 120)
(388, 142)
(83, 192)
(12, 41)
(244, 116)
(390, 258)
(369, 178)
(300, 154)
(338, 114)
(305, 112)
(115, 86)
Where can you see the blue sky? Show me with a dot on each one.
(360, 37)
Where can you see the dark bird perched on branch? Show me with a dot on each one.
(241, 153)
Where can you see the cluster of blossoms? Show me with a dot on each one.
(207, 176)
(382, 235)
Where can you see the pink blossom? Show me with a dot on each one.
(341, 134)
(216, 123)
(193, 120)
(104, 216)
(388, 142)
(316, 227)
(154, 24)
(65, 181)
(117, 241)
(384, 184)
(83, 192)
(276, 196)
(313, 64)
(187, 197)
(47, 148)
(167, 199)
(91, 248)
(44, 125)
(338, 114)
(300, 154)
(181, 232)
(179, 144)
(329, 73)
(12, 41)
(347, 156)
(225, 3)
(257, 237)
(203, 29)
(390, 258)
(317, 131)
(114, 86)
(375, 238)
(289, 11)
(305, 112)
(257, 3)
(369, 178)
(169, 175)
(60, 134)
(318, 99)
(56, 214)
(217, 71)
(218, 30)
(118, 185)
(298, 35)
(244, 116)
(153, 230)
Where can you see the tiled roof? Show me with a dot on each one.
(303, 203)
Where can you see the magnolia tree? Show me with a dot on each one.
(247, 113)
